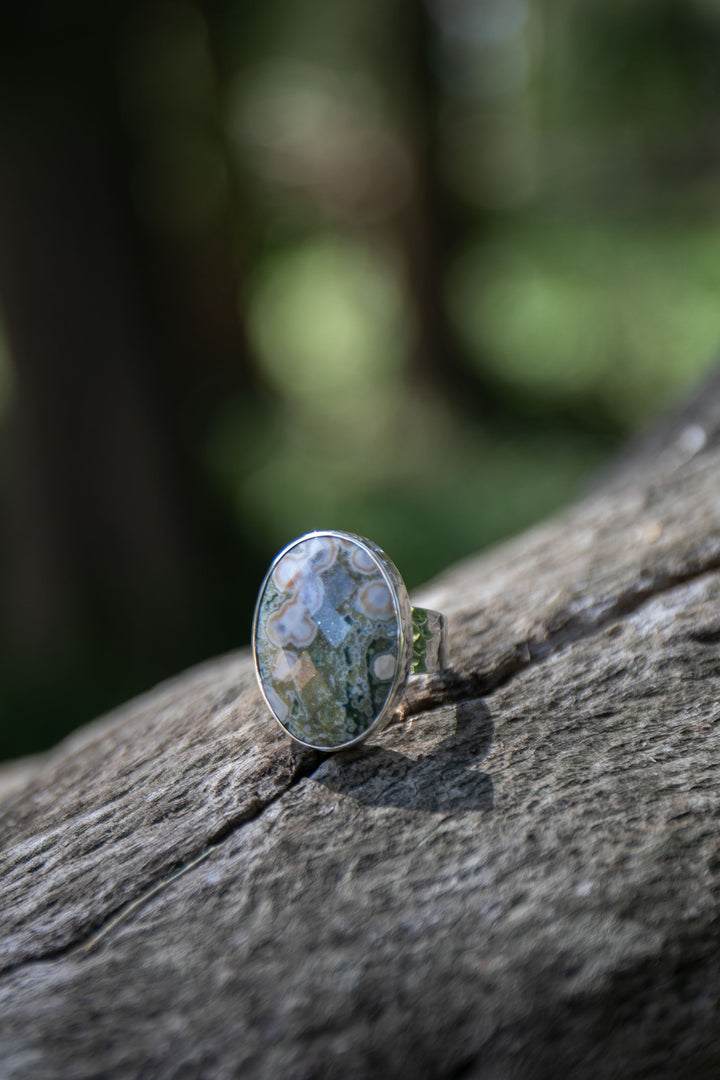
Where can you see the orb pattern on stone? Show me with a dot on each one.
(327, 640)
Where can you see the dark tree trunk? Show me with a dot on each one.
(124, 341)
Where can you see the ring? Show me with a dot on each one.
(335, 639)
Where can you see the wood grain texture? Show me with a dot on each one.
(520, 878)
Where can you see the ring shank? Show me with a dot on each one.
(429, 641)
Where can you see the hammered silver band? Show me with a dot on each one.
(429, 654)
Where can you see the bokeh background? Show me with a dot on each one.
(412, 269)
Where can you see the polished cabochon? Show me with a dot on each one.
(332, 638)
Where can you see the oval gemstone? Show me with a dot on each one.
(327, 640)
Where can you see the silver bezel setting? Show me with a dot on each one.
(403, 617)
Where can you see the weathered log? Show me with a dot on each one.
(521, 877)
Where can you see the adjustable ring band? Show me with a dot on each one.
(429, 641)
(335, 639)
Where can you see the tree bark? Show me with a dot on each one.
(520, 877)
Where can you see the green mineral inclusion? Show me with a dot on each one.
(327, 640)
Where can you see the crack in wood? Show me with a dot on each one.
(447, 688)
(304, 762)
(129, 909)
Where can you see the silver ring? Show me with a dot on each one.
(335, 639)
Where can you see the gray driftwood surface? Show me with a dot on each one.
(521, 878)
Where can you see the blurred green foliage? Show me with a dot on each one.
(622, 313)
(475, 243)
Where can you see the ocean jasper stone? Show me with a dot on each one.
(327, 639)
